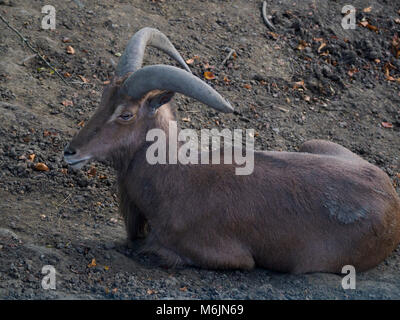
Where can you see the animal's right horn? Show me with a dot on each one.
(132, 58)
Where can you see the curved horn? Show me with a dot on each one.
(174, 79)
(132, 57)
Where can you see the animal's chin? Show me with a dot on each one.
(77, 164)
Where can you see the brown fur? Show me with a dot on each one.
(316, 210)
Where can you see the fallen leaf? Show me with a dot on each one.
(114, 291)
(92, 263)
(183, 289)
(40, 166)
(190, 61)
(209, 75)
(351, 72)
(366, 10)
(70, 50)
(372, 28)
(81, 124)
(66, 40)
(302, 45)
(67, 75)
(149, 291)
(83, 79)
(387, 125)
(274, 35)
(106, 82)
(117, 54)
(186, 119)
(397, 20)
(226, 79)
(67, 103)
(64, 170)
(364, 24)
(247, 86)
(92, 171)
(307, 98)
(106, 268)
(31, 157)
(323, 45)
(299, 84)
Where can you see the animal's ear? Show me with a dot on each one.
(160, 99)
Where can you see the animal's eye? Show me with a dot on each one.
(126, 116)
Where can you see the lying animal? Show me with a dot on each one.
(314, 210)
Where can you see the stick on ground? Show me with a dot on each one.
(266, 20)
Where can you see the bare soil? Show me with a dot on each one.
(286, 85)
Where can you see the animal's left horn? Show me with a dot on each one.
(174, 79)
(132, 58)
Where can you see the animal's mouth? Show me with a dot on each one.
(77, 163)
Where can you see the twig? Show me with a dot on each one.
(33, 49)
(231, 51)
(58, 205)
(266, 20)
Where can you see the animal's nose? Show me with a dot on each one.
(69, 151)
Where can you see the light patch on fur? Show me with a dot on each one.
(116, 113)
(344, 211)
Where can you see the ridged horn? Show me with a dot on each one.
(163, 77)
(132, 58)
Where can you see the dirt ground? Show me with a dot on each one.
(310, 78)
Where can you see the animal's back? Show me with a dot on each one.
(323, 212)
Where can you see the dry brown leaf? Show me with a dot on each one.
(366, 10)
(40, 166)
(209, 75)
(387, 125)
(190, 61)
(351, 72)
(372, 28)
(92, 171)
(226, 79)
(83, 79)
(67, 75)
(247, 86)
(397, 20)
(323, 45)
(70, 50)
(67, 103)
(183, 289)
(274, 35)
(299, 84)
(92, 263)
(186, 119)
(64, 171)
(81, 124)
(302, 45)
(66, 40)
(31, 157)
(364, 23)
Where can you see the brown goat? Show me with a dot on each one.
(314, 210)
